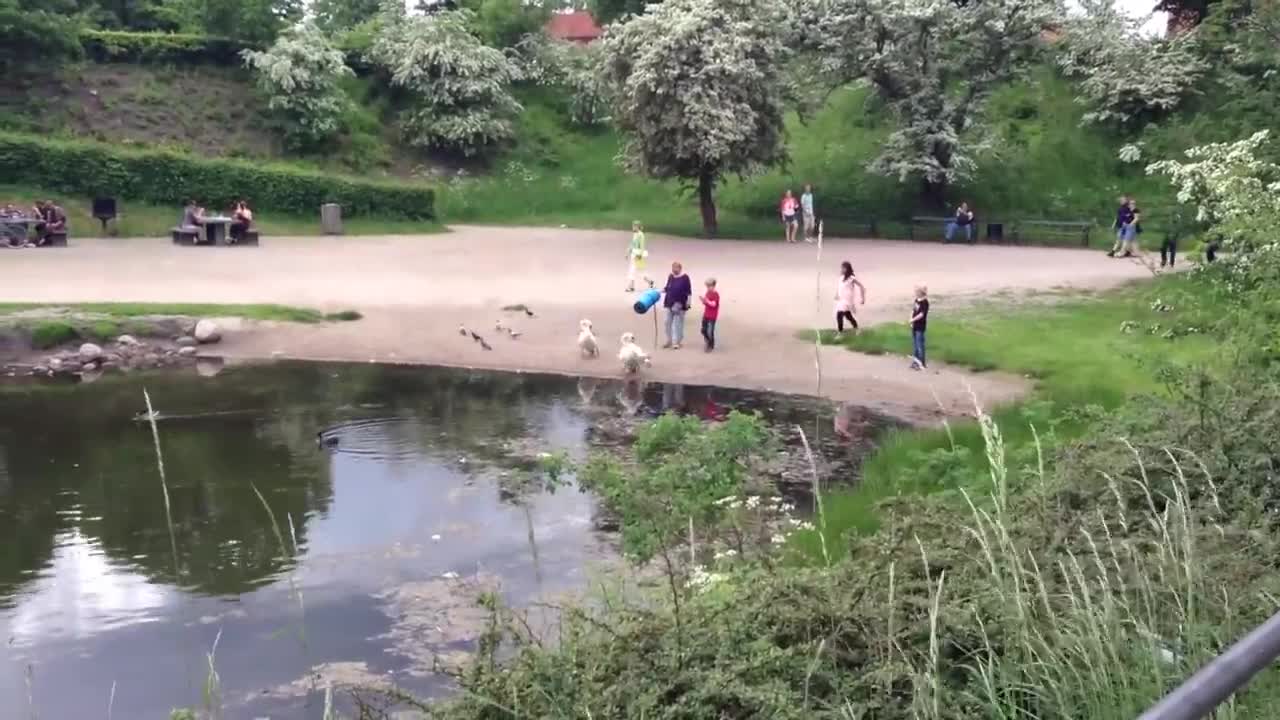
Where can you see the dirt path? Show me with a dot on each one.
(415, 291)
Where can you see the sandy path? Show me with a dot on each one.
(416, 290)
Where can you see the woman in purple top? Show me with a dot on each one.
(676, 300)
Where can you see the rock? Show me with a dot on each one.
(186, 352)
(39, 370)
(90, 376)
(71, 366)
(187, 341)
(89, 352)
(109, 365)
(110, 358)
(126, 340)
(90, 366)
(207, 331)
(208, 367)
(55, 364)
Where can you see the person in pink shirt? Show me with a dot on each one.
(789, 208)
(844, 298)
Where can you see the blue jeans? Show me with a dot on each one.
(917, 350)
(675, 325)
(951, 230)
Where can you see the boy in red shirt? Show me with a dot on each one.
(710, 313)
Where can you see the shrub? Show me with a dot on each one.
(51, 334)
(34, 37)
(157, 176)
(162, 48)
(299, 76)
(460, 86)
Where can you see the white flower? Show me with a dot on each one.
(753, 502)
(778, 539)
(725, 500)
(726, 554)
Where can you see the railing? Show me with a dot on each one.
(1223, 676)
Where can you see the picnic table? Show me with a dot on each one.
(216, 229)
(15, 228)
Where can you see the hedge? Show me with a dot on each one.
(163, 177)
(162, 48)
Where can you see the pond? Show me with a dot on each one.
(329, 518)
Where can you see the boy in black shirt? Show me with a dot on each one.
(919, 321)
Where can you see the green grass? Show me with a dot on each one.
(282, 313)
(51, 334)
(1074, 349)
(145, 220)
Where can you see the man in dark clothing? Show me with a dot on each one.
(1178, 227)
(963, 220)
(1124, 218)
(676, 300)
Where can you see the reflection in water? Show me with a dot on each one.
(390, 480)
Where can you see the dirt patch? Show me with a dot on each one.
(414, 292)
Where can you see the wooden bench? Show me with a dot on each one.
(837, 226)
(1053, 230)
(924, 221)
(248, 237)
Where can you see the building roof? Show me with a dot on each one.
(577, 26)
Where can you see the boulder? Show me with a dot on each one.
(39, 370)
(208, 367)
(89, 376)
(186, 352)
(71, 366)
(207, 331)
(126, 340)
(90, 366)
(187, 341)
(89, 352)
(55, 364)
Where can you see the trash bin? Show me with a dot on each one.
(331, 219)
(995, 232)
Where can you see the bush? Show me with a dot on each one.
(91, 169)
(162, 48)
(51, 334)
(34, 37)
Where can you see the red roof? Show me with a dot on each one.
(577, 26)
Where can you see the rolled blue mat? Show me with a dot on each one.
(646, 300)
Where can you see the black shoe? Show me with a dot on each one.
(1128, 254)
(1111, 253)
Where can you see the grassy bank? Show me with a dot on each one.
(146, 220)
(53, 324)
(1086, 353)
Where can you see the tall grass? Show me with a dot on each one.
(1104, 630)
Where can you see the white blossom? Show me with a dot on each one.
(1126, 77)
(299, 74)
(697, 90)
(461, 87)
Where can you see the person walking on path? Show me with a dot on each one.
(1123, 225)
(810, 228)
(919, 323)
(1178, 227)
(636, 253)
(710, 313)
(675, 299)
(1135, 229)
(844, 298)
(963, 219)
(788, 208)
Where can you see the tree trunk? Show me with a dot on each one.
(707, 203)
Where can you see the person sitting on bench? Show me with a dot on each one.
(192, 219)
(241, 220)
(964, 220)
(14, 235)
(53, 221)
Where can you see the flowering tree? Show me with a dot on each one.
(934, 63)
(573, 69)
(1227, 182)
(1125, 77)
(299, 75)
(697, 89)
(461, 87)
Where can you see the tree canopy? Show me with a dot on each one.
(698, 91)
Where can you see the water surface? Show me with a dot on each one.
(368, 560)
